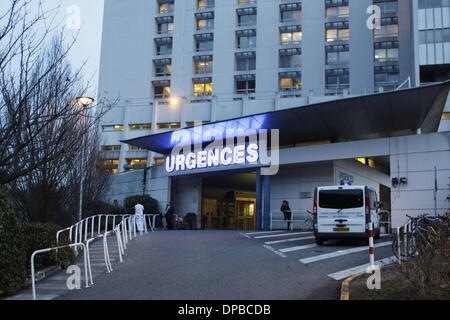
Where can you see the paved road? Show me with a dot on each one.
(227, 265)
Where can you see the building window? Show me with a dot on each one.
(159, 161)
(291, 12)
(196, 123)
(337, 79)
(166, 6)
(434, 36)
(133, 148)
(205, 4)
(386, 51)
(163, 67)
(203, 64)
(291, 35)
(110, 166)
(245, 84)
(246, 17)
(202, 87)
(204, 21)
(140, 126)
(389, 28)
(387, 77)
(290, 81)
(116, 127)
(245, 2)
(132, 164)
(387, 7)
(163, 46)
(338, 54)
(337, 31)
(164, 24)
(111, 148)
(161, 89)
(246, 38)
(245, 61)
(290, 58)
(169, 125)
(204, 42)
(337, 9)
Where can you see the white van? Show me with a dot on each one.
(344, 212)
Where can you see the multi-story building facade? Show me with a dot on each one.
(433, 43)
(174, 62)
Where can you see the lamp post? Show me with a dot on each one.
(84, 103)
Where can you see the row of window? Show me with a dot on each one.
(385, 76)
(143, 126)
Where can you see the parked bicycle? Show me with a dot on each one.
(421, 233)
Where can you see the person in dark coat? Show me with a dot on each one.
(169, 216)
(287, 213)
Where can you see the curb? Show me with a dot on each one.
(345, 287)
(42, 274)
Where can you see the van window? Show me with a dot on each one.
(340, 199)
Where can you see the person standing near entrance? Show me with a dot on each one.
(287, 213)
(139, 217)
(169, 216)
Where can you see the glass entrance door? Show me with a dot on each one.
(245, 214)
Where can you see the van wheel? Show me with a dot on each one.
(319, 241)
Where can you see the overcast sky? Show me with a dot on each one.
(87, 46)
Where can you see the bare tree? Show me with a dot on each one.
(38, 92)
(43, 130)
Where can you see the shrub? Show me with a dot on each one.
(101, 207)
(12, 255)
(43, 235)
(150, 204)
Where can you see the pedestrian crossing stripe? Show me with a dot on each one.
(298, 248)
(288, 240)
(341, 253)
(261, 232)
(340, 275)
(281, 235)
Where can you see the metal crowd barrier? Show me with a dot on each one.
(297, 217)
(84, 232)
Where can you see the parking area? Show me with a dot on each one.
(231, 265)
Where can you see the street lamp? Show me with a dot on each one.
(84, 101)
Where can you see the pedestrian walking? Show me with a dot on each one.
(169, 212)
(287, 213)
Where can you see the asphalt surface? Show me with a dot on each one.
(191, 265)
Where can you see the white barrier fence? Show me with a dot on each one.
(300, 219)
(92, 228)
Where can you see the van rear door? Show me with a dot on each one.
(341, 210)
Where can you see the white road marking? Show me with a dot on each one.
(351, 271)
(260, 232)
(281, 235)
(288, 240)
(341, 253)
(245, 235)
(275, 251)
(298, 248)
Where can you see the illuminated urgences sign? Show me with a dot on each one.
(215, 157)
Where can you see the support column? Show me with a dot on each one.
(259, 201)
(266, 200)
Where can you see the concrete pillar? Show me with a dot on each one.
(259, 201)
(266, 200)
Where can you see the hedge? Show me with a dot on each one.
(13, 271)
(18, 241)
(43, 235)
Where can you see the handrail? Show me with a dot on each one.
(33, 284)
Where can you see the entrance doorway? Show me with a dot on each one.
(229, 202)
